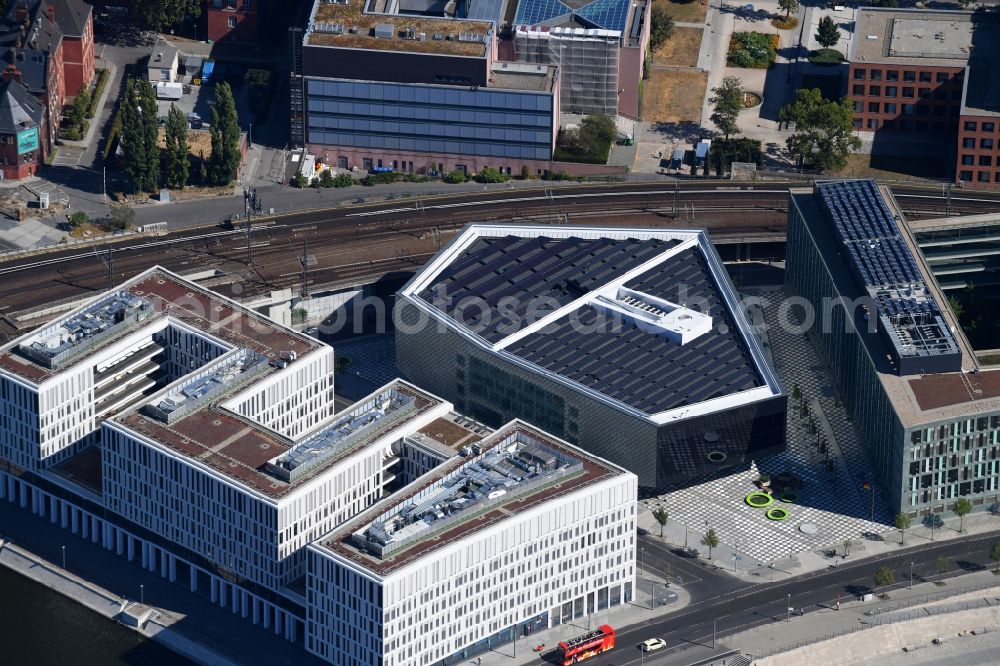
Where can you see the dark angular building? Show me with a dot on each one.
(630, 343)
(22, 131)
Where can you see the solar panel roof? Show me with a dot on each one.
(641, 368)
(484, 10)
(500, 284)
(531, 12)
(607, 14)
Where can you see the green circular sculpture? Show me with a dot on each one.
(789, 497)
(777, 513)
(759, 500)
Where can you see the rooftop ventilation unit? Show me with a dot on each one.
(384, 30)
(470, 37)
(409, 33)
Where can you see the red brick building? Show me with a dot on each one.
(236, 21)
(22, 128)
(926, 73)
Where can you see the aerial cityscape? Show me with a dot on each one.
(488, 332)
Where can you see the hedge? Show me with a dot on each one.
(102, 81)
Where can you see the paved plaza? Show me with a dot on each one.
(831, 504)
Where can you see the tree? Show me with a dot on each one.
(225, 136)
(177, 159)
(490, 175)
(161, 14)
(943, 564)
(78, 110)
(525, 174)
(711, 539)
(827, 33)
(139, 135)
(902, 524)
(956, 306)
(884, 577)
(78, 219)
(343, 180)
(661, 515)
(995, 555)
(456, 176)
(326, 178)
(961, 508)
(728, 102)
(299, 181)
(789, 6)
(823, 129)
(932, 522)
(661, 27)
(598, 130)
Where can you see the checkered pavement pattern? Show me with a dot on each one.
(835, 503)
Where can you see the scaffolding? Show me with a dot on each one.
(587, 60)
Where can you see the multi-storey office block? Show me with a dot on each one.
(929, 416)
(523, 534)
(631, 343)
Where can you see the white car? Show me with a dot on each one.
(653, 644)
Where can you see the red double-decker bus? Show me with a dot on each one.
(588, 645)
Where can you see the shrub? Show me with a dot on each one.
(326, 179)
(753, 50)
(525, 174)
(343, 180)
(78, 219)
(826, 57)
(102, 81)
(381, 178)
(299, 181)
(456, 176)
(490, 175)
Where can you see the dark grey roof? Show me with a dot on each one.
(519, 280)
(38, 31)
(642, 368)
(31, 64)
(18, 108)
(71, 16)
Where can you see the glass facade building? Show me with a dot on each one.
(411, 117)
(931, 438)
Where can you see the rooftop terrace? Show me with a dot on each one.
(354, 25)
(520, 468)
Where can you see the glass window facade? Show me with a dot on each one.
(432, 119)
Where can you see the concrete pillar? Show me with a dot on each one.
(243, 603)
(266, 609)
(3, 485)
(171, 567)
(95, 531)
(119, 542)
(290, 630)
(24, 497)
(234, 598)
(53, 510)
(277, 620)
(194, 579)
(255, 610)
(130, 546)
(223, 591)
(215, 589)
(64, 515)
(144, 554)
(74, 520)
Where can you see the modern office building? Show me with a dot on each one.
(415, 87)
(929, 416)
(524, 533)
(189, 434)
(598, 46)
(929, 72)
(630, 343)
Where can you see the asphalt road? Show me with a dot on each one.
(737, 606)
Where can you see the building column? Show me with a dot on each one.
(24, 497)
(266, 607)
(255, 610)
(74, 520)
(63, 514)
(144, 554)
(130, 547)
(53, 509)
(119, 541)
(290, 630)
(277, 620)
(234, 598)
(243, 603)
(164, 564)
(194, 578)
(95, 531)
(3, 485)
(222, 594)
(171, 568)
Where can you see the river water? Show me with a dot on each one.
(40, 627)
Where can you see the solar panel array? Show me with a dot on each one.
(530, 277)
(642, 368)
(886, 266)
(532, 12)
(484, 10)
(608, 14)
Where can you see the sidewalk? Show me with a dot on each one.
(813, 560)
(635, 612)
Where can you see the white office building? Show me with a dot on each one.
(523, 533)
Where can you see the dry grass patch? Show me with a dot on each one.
(681, 50)
(685, 12)
(197, 142)
(674, 97)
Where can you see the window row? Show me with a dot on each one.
(980, 176)
(973, 126)
(862, 74)
(859, 89)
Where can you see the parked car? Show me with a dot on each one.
(653, 644)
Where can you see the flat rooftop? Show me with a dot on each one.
(607, 312)
(164, 295)
(917, 399)
(246, 452)
(477, 492)
(935, 39)
(355, 24)
(621, 16)
(522, 76)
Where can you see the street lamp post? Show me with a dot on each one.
(911, 575)
(142, 594)
(788, 609)
(64, 556)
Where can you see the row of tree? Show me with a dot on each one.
(140, 140)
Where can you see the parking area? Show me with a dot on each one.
(68, 156)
